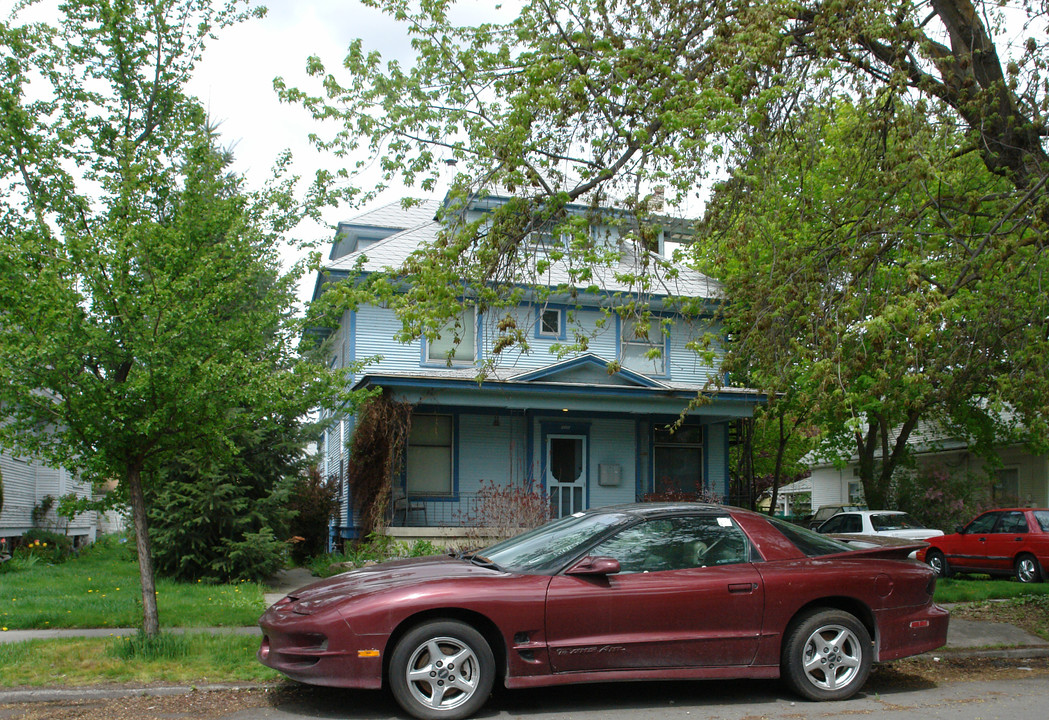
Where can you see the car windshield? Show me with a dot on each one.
(548, 547)
(809, 542)
(1042, 516)
(895, 521)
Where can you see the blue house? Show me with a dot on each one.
(589, 428)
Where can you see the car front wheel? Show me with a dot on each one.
(442, 670)
(1028, 569)
(827, 655)
(938, 562)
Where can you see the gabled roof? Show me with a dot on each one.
(588, 369)
(391, 252)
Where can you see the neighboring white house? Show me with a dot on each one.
(27, 485)
(1021, 475)
(568, 424)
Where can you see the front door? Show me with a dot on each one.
(566, 473)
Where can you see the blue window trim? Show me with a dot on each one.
(567, 426)
(656, 317)
(424, 349)
(402, 479)
(538, 311)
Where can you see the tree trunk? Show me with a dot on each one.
(150, 617)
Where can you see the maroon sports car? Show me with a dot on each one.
(639, 592)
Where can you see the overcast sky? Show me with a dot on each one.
(235, 81)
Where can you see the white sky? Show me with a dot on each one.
(235, 82)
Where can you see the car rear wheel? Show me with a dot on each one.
(938, 562)
(1028, 569)
(827, 655)
(442, 670)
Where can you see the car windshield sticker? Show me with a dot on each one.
(724, 522)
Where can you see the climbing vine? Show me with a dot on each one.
(376, 452)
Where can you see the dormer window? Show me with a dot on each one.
(643, 346)
(456, 342)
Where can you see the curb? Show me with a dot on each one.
(9, 697)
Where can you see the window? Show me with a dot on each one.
(855, 492)
(550, 323)
(1012, 522)
(546, 240)
(678, 460)
(643, 346)
(455, 344)
(982, 524)
(678, 543)
(1007, 484)
(429, 456)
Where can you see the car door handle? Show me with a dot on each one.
(742, 587)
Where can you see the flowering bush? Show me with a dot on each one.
(941, 500)
(46, 545)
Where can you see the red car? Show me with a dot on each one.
(638, 592)
(1007, 541)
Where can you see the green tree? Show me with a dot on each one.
(223, 519)
(911, 288)
(143, 309)
(850, 255)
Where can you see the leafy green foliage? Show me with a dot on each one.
(219, 519)
(145, 312)
(50, 546)
(376, 549)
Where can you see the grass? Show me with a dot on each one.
(100, 588)
(975, 588)
(190, 658)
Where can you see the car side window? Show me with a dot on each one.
(676, 544)
(1012, 522)
(852, 524)
(983, 524)
(833, 525)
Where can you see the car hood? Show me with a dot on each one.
(385, 576)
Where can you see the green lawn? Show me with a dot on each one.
(100, 588)
(192, 658)
(972, 588)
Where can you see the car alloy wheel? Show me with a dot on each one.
(1028, 570)
(442, 670)
(938, 562)
(827, 655)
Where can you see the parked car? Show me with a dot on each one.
(1006, 541)
(892, 523)
(649, 591)
(826, 512)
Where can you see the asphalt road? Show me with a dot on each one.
(1014, 690)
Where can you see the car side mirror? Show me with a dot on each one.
(959, 529)
(595, 566)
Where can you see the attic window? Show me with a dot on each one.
(456, 342)
(550, 323)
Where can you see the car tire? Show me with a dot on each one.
(827, 655)
(1028, 569)
(936, 560)
(442, 670)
